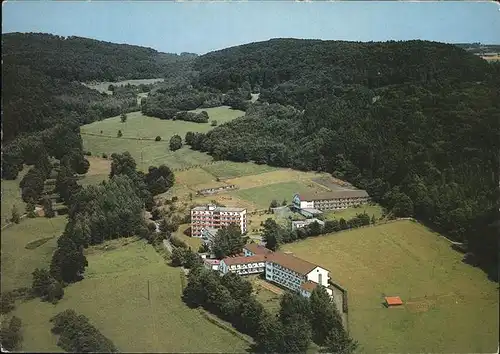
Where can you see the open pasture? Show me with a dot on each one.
(11, 195)
(26, 246)
(261, 197)
(114, 296)
(98, 171)
(229, 169)
(139, 132)
(349, 213)
(277, 176)
(449, 306)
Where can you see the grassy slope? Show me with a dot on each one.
(150, 152)
(262, 196)
(18, 262)
(450, 306)
(351, 212)
(11, 195)
(114, 297)
(228, 169)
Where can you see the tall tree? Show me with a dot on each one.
(272, 234)
(175, 142)
(228, 241)
(68, 261)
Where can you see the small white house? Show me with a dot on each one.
(303, 223)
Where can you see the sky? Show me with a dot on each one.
(201, 27)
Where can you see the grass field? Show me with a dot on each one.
(351, 212)
(18, 262)
(114, 298)
(11, 195)
(149, 152)
(262, 196)
(228, 169)
(98, 171)
(449, 306)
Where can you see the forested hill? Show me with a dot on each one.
(415, 123)
(84, 59)
(302, 70)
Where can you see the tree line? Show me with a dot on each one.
(299, 322)
(99, 213)
(274, 234)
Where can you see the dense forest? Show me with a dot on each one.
(83, 59)
(42, 95)
(415, 123)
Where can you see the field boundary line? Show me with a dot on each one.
(218, 322)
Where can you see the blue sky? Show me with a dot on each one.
(202, 27)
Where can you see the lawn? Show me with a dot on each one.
(351, 212)
(114, 296)
(449, 306)
(11, 195)
(193, 242)
(148, 152)
(18, 262)
(262, 196)
(99, 170)
(228, 169)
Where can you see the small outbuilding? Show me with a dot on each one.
(392, 301)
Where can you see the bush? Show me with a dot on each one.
(46, 287)
(119, 134)
(7, 302)
(158, 138)
(87, 153)
(104, 155)
(78, 335)
(214, 123)
(10, 336)
(16, 217)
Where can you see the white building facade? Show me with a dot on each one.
(336, 200)
(243, 265)
(214, 217)
(291, 272)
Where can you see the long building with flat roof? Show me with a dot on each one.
(334, 200)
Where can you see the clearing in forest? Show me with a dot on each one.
(139, 133)
(449, 305)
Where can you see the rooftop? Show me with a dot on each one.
(346, 193)
(291, 262)
(211, 261)
(309, 286)
(393, 300)
(244, 260)
(257, 249)
(218, 209)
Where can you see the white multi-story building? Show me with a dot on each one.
(214, 217)
(336, 200)
(243, 265)
(292, 272)
(212, 264)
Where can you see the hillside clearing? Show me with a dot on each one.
(449, 306)
(262, 196)
(114, 298)
(139, 132)
(18, 262)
